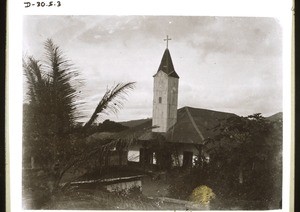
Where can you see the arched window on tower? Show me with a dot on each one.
(159, 99)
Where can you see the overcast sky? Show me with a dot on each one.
(225, 64)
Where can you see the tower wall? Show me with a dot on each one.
(165, 101)
(172, 101)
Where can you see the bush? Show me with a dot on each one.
(202, 194)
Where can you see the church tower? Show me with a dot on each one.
(165, 94)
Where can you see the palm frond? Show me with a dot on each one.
(36, 82)
(112, 101)
(62, 75)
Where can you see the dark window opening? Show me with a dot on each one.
(159, 99)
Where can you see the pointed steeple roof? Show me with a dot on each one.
(166, 65)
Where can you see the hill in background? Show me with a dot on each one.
(137, 122)
(275, 117)
(134, 123)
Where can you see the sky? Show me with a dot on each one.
(229, 64)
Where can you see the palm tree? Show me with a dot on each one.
(50, 90)
(53, 108)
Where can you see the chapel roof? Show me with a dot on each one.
(166, 65)
(193, 125)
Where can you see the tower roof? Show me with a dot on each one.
(166, 65)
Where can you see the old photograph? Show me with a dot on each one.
(137, 112)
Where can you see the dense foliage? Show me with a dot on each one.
(106, 126)
(245, 163)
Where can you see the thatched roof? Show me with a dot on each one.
(102, 136)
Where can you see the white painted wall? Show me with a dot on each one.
(164, 112)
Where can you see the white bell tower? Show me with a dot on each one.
(165, 94)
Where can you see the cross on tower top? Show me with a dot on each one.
(167, 39)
